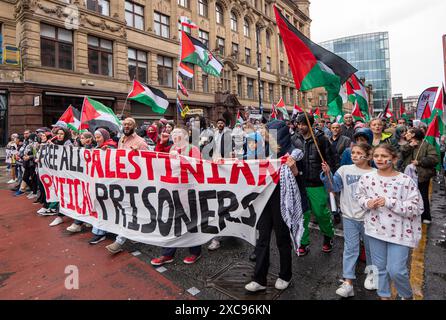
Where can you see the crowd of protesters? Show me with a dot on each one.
(377, 174)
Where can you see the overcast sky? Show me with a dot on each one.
(415, 28)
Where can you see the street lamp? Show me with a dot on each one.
(258, 29)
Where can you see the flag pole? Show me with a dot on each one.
(125, 103)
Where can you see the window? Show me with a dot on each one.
(246, 28)
(205, 81)
(284, 96)
(221, 45)
(56, 47)
(292, 96)
(235, 50)
(189, 82)
(266, 8)
(162, 25)
(183, 3)
(250, 88)
(165, 71)
(268, 40)
(204, 37)
(233, 22)
(137, 65)
(203, 8)
(219, 17)
(100, 56)
(282, 68)
(240, 86)
(134, 15)
(100, 6)
(248, 56)
(268, 64)
(280, 44)
(226, 80)
(271, 92)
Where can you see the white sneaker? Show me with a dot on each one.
(56, 222)
(215, 244)
(74, 228)
(11, 181)
(369, 282)
(281, 284)
(427, 222)
(42, 210)
(254, 287)
(49, 212)
(345, 290)
(32, 196)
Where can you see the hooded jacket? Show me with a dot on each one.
(312, 162)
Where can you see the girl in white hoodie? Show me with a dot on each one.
(345, 180)
(393, 207)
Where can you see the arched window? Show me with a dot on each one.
(246, 28)
(268, 39)
(233, 21)
(219, 17)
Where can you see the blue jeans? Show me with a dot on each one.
(98, 232)
(391, 261)
(353, 232)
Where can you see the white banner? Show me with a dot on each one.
(157, 198)
(428, 95)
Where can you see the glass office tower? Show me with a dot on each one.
(369, 53)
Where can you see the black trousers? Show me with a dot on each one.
(271, 219)
(424, 190)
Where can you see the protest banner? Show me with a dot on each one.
(158, 198)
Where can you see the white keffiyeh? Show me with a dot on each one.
(290, 201)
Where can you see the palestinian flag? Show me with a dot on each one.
(70, 118)
(94, 114)
(360, 96)
(335, 108)
(280, 106)
(427, 114)
(182, 88)
(317, 114)
(239, 119)
(387, 113)
(297, 110)
(312, 66)
(273, 112)
(149, 96)
(402, 111)
(357, 114)
(439, 107)
(433, 135)
(195, 52)
(185, 21)
(350, 92)
(185, 70)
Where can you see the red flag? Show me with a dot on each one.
(434, 129)
(387, 113)
(427, 114)
(440, 103)
(402, 109)
(273, 112)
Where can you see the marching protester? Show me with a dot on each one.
(181, 146)
(379, 136)
(130, 140)
(345, 181)
(393, 206)
(62, 138)
(348, 128)
(317, 196)
(425, 158)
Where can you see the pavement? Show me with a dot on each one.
(34, 259)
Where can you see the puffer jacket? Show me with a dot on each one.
(427, 160)
(312, 162)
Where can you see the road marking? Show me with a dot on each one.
(193, 291)
(161, 269)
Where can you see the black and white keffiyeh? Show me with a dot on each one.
(290, 201)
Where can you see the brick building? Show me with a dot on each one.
(73, 48)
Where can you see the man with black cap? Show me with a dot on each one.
(312, 166)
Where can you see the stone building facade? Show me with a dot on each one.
(73, 48)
